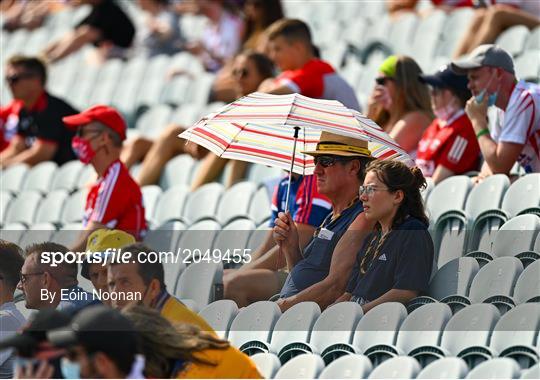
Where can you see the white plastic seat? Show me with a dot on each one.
(348, 367)
(74, 207)
(267, 364)
(527, 66)
(154, 81)
(448, 195)
(150, 194)
(68, 234)
(13, 232)
(523, 195)
(39, 178)
(235, 202)
(106, 83)
(531, 373)
(306, 366)
(50, 208)
(196, 242)
(202, 203)
(219, 315)
(177, 172)
(517, 238)
(513, 39)
(257, 237)
(12, 178)
(153, 121)
(527, 288)
(199, 92)
(254, 323)
(170, 205)
(259, 173)
(232, 241)
(5, 200)
(260, 205)
(401, 367)
(500, 368)
(87, 176)
(66, 175)
(23, 208)
(201, 282)
(165, 237)
(37, 233)
(187, 114)
(445, 368)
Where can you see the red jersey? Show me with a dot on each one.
(452, 145)
(115, 200)
(9, 119)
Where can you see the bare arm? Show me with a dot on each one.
(72, 42)
(393, 295)
(15, 147)
(408, 131)
(80, 244)
(40, 151)
(499, 157)
(441, 173)
(343, 258)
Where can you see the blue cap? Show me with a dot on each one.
(446, 78)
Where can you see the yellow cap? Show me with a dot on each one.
(100, 240)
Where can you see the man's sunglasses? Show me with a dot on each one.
(12, 79)
(382, 80)
(326, 161)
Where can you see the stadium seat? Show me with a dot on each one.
(527, 287)
(401, 367)
(531, 373)
(235, 202)
(455, 26)
(445, 368)
(401, 33)
(176, 91)
(37, 233)
(199, 91)
(483, 209)
(533, 42)
(259, 173)
(513, 39)
(23, 208)
(13, 232)
(201, 282)
(293, 329)
(87, 177)
(515, 238)
(177, 172)
(40, 176)
(165, 237)
(219, 315)
(197, 240)
(514, 335)
(150, 194)
(454, 278)
(66, 176)
(106, 82)
(494, 283)
(50, 208)
(152, 122)
(170, 204)
(429, 187)
(5, 200)
(73, 210)
(254, 323)
(427, 37)
(257, 237)
(527, 65)
(190, 304)
(231, 242)
(13, 177)
(68, 234)
(202, 203)
(267, 364)
(449, 195)
(523, 196)
(306, 366)
(187, 114)
(154, 80)
(129, 82)
(172, 268)
(500, 368)
(348, 367)
(260, 206)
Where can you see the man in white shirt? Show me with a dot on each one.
(11, 318)
(516, 137)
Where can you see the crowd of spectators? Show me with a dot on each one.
(356, 230)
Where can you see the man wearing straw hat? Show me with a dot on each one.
(320, 271)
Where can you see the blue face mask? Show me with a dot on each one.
(491, 99)
(70, 370)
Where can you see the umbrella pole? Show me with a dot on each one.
(296, 130)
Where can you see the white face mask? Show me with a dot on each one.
(446, 112)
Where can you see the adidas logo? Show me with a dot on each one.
(382, 257)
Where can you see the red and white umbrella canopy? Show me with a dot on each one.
(260, 127)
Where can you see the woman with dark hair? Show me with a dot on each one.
(259, 14)
(400, 103)
(394, 263)
(182, 351)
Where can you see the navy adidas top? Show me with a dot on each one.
(404, 262)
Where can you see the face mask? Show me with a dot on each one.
(445, 113)
(83, 150)
(492, 97)
(70, 370)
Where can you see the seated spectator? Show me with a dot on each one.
(161, 33)
(180, 351)
(400, 103)
(397, 8)
(35, 357)
(394, 264)
(292, 50)
(100, 244)
(22, 14)
(146, 281)
(490, 21)
(516, 136)
(319, 272)
(221, 38)
(107, 27)
(31, 125)
(249, 70)
(263, 277)
(11, 319)
(47, 286)
(448, 146)
(101, 344)
(115, 200)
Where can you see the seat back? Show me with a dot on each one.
(235, 202)
(454, 278)
(522, 194)
(445, 368)
(348, 367)
(499, 368)
(23, 208)
(517, 235)
(203, 202)
(254, 322)
(220, 315)
(306, 366)
(201, 282)
(487, 195)
(401, 367)
(40, 177)
(448, 195)
(527, 287)
(50, 208)
(170, 204)
(495, 279)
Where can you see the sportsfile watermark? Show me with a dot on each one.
(120, 256)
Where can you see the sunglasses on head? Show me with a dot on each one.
(382, 80)
(12, 79)
(326, 161)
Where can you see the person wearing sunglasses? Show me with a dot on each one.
(399, 102)
(319, 272)
(31, 128)
(11, 319)
(395, 261)
(448, 146)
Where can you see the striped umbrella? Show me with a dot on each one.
(260, 128)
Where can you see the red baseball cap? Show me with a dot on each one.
(104, 114)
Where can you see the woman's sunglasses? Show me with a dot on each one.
(382, 80)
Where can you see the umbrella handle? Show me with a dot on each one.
(296, 130)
